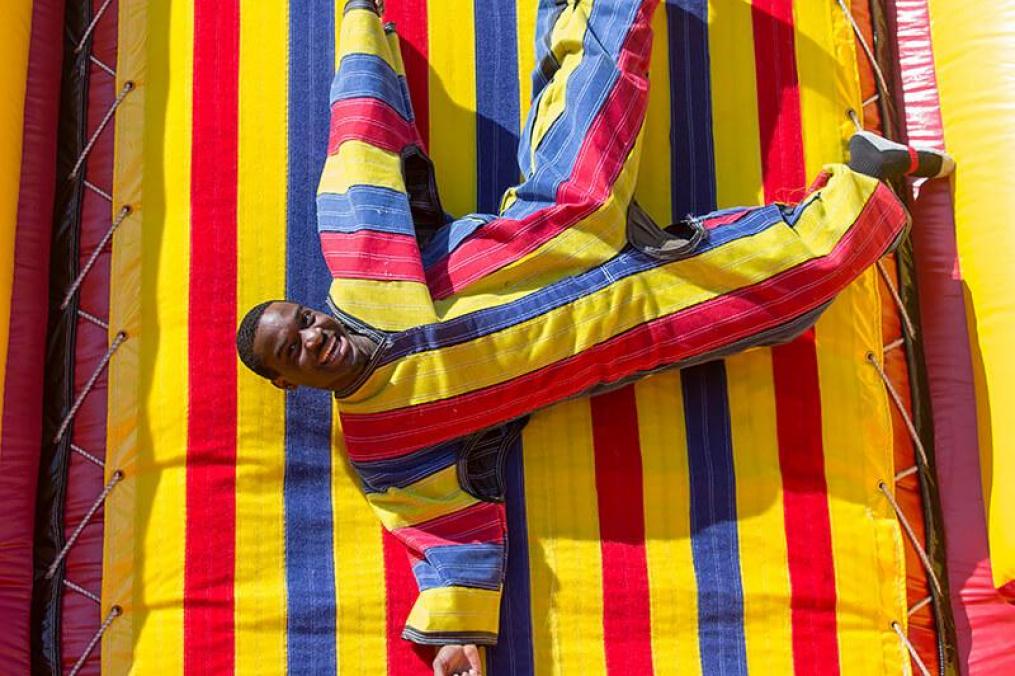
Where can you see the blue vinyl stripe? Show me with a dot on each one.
(714, 537)
(365, 207)
(692, 165)
(628, 262)
(369, 76)
(401, 471)
(714, 534)
(512, 656)
(450, 236)
(496, 101)
(309, 557)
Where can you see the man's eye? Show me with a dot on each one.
(308, 319)
(293, 347)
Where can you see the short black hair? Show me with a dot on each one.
(245, 340)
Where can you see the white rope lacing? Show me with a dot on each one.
(906, 418)
(76, 284)
(916, 607)
(98, 191)
(120, 337)
(127, 88)
(895, 344)
(110, 485)
(920, 552)
(93, 319)
(871, 99)
(102, 66)
(912, 649)
(899, 476)
(91, 27)
(87, 456)
(81, 590)
(866, 47)
(907, 323)
(113, 613)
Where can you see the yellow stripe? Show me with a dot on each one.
(564, 551)
(390, 305)
(673, 590)
(436, 495)
(525, 12)
(455, 609)
(829, 82)
(260, 611)
(143, 570)
(358, 34)
(734, 104)
(15, 35)
(359, 570)
(761, 523)
(452, 89)
(653, 180)
(977, 97)
(533, 344)
(856, 430)
(359, 163)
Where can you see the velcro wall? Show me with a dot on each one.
(724, 519)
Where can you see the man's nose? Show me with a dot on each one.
(312, 337)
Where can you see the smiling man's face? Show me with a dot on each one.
(306, 347)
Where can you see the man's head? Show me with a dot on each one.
(291, 345)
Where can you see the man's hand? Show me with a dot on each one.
(455, 660)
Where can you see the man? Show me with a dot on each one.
(443, 337)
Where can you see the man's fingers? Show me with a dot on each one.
(438, 668)
(472, 654)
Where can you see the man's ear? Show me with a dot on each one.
(282, 384)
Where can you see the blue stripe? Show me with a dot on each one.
(448, 238)
(496, 101)
(714, 539)
(714, 535)
(512, 655)
(310, 574)
(365, 207)
(627, 262)
(477, 565)
(380, 475)
(369, 76)
(692, 166)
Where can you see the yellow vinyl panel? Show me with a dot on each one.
(974, 46)
(15, 35)
(565, 562)
(259, 586)
(734, 104)
(870, 576)
(153, 153)
(361, 623)
(453, 103)
(525, 11)
(652, 190)
(760, 519)
(673, 594)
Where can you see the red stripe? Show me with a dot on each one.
(369, 120)
(914, 159)
(372, 255)
(668, 340)
(627, 632)
(410, 17)
(482, 523)
(211, 439)
(795, 365)
(404, 658)
(805, 507)
(599, 162)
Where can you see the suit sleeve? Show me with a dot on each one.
(455, 543)
(363, 214)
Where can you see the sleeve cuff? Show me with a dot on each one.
(448, 615)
